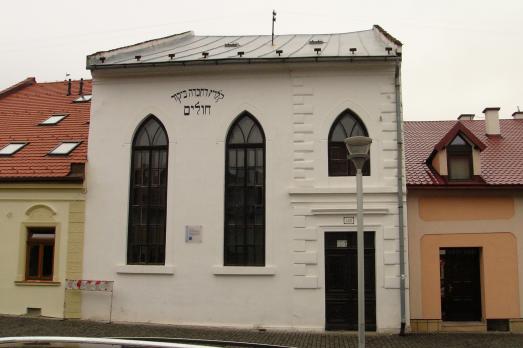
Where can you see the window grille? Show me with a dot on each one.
(148, 194)
(244, 234)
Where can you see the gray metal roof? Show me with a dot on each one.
(187, 48)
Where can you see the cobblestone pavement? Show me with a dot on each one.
(20, 326)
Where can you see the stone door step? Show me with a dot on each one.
(464, 326)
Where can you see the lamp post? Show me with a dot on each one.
(358, 148)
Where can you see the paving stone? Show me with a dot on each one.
(22, 326)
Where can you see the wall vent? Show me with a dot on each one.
(498, 325)
(34, 312)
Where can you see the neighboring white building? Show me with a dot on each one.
(269, 246)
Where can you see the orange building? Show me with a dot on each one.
(465, 219)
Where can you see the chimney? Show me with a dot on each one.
(492, 121)
(466, 117)
(81, 91)
(69, 87)
(518, 115)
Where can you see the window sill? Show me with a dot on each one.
(244, 271)
(36, 283)
(338, 189)
(145, 269)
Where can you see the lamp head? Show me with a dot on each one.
(358, 146)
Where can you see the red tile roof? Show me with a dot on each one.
(501, 159)
(22, 108)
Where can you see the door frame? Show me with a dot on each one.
(480, 284)
(376, 230)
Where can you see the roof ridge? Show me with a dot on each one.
(289, 34)
(64, 81)
(427, 121)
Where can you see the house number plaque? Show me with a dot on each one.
(342, 243)
(348, 220)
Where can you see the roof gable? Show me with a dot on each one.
(459, 128)
(17, 86)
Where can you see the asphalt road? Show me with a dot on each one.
(21, 326)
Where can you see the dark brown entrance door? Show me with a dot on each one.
(341, 281)
(460, 284)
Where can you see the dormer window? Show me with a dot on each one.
(459, 159)
(456, 157)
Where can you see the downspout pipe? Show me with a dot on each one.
(399, 138)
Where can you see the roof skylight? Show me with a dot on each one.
(11, 149)
(83, 98)
(54, 119)
(65, 148)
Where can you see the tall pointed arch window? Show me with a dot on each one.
(244, 233)
(346, 125)
(148, 194)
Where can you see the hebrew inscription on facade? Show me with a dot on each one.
(191, 99)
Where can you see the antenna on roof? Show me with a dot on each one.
(273, 20)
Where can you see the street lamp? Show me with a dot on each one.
(358, 148)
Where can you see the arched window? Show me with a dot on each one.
(244, 234)
(148, 194)
(346, 125)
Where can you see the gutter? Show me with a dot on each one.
(399, 139)
(511, 187)
(76, 175)
(230, 61)
(43, 179)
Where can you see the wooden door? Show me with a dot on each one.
(460, 284)
(341, 281)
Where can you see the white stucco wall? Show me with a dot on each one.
(296, 105)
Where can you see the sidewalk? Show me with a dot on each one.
(20, 326)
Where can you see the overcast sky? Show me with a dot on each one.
(459, 56)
